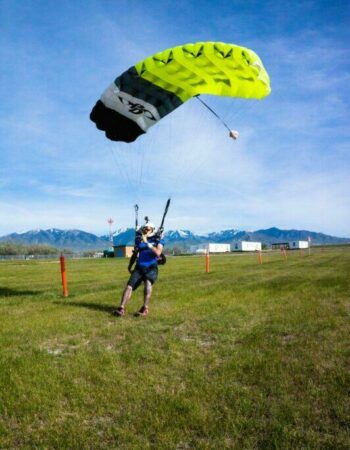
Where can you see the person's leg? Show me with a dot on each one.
(133, 283)
(126, 296)
(147, 292)
(149, 278)
(120, 311)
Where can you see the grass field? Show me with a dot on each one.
(246, 357)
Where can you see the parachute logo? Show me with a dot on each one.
(137, 108)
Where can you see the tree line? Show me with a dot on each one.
(14, 248)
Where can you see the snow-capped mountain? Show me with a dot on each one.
(226, 236)
(126, 236)
(179, 235)
(184, 238)
(73, 239)
(81, 240)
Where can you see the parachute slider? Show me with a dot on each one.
(234, 134)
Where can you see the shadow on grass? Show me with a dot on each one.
(95, 306)
(9, 292)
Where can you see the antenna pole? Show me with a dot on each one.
(110, 222)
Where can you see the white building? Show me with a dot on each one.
(219, 248)
(212, 248)
(247, 246)
(198, 250)
(298, 244)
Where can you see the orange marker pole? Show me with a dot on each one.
(284, 253)
(260, 258)
(63, 276)
(207, 262)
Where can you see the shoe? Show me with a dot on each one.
(142, 312)
(120, 311)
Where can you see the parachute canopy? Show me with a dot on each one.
(154, 87)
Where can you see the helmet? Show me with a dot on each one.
(148, 225)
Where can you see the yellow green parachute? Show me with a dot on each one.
(156, 86)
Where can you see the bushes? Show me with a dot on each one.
(13, 248)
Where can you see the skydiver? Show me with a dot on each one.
(149, 247)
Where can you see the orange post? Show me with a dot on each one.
(260, 257)
(63, 276)
(284, 251)
(207, 262)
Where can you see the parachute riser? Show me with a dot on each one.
(135, 251)
(136, 207)
(161, 227)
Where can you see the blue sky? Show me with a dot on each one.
(289, 168)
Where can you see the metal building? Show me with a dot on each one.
(298, 244)
(247, 246)
(211, 248)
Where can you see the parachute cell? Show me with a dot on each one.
(156, 86)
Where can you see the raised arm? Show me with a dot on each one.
(156, 249)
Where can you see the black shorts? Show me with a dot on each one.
(140, 274)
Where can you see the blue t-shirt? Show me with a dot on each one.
(147, 257)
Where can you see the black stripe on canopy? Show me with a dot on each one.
(131, 83)
(116, 126)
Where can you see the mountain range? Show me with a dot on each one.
(79, 240)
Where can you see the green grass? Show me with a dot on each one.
(246, 357)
